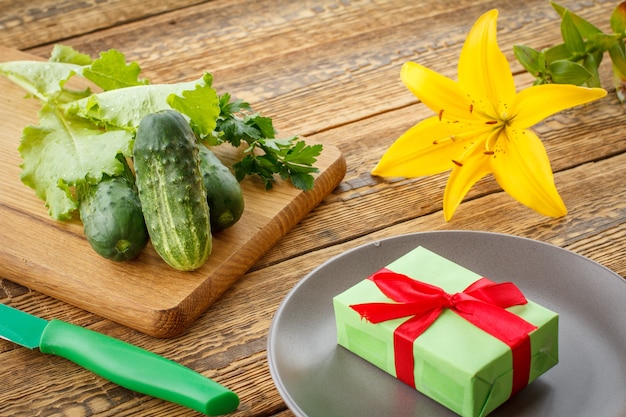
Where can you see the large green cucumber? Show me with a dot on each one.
(224, 193)
(171, 191)
(112, 218)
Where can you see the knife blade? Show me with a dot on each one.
(127, 365)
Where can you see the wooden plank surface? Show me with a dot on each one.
(25, 24)
(145, 294)
(328, 70)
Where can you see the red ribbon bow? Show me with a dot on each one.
(483, 304)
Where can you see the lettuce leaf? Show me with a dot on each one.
(44, 80)
(201, 105)
(125, 107)
(67, 54)
(111, 71)
(80, 133)
(62, 152)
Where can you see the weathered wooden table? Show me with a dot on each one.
(327, 70)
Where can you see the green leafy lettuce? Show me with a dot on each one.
(81, 132)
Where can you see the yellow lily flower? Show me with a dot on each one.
(481, 126)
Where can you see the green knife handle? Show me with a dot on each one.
(137, 369)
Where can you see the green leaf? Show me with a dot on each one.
(237, 122)
(585, 28)
(591, 64)
(262, 166)
(62, 152)
(572, 38)
(44, 80)
(201, 105)
(619, 80)
(557, 52)
(529, 58)
(231, 108)
(263, 124)
(289, 158)
(301, 156)
(618, 56)
(568, 72)
(234, 130)
(601, 42)
(302, 181)
(125, 107)
(111, 71)
(618, 18)
(68, 55)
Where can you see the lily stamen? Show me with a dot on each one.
(450, 138)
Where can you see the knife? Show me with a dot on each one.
(127, 365)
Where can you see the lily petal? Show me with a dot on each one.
(484, 71)
(462, 178)
(414, 154)
(535, 103)
(441, 94)
(522, 168)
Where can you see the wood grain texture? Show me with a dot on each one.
(25, 24)
(305, 52)
(329, 70)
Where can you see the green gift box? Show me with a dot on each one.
(458, 338)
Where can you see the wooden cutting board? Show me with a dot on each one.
(146, 294)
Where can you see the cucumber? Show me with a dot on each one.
(112, 218)
(172, 195)
(224, 193)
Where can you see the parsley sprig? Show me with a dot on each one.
(265, 155)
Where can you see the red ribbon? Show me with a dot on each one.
(483, 304)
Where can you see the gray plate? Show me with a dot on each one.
(317, 378)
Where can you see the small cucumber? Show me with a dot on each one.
(112, 218)
(172, 195)
(224, 193)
